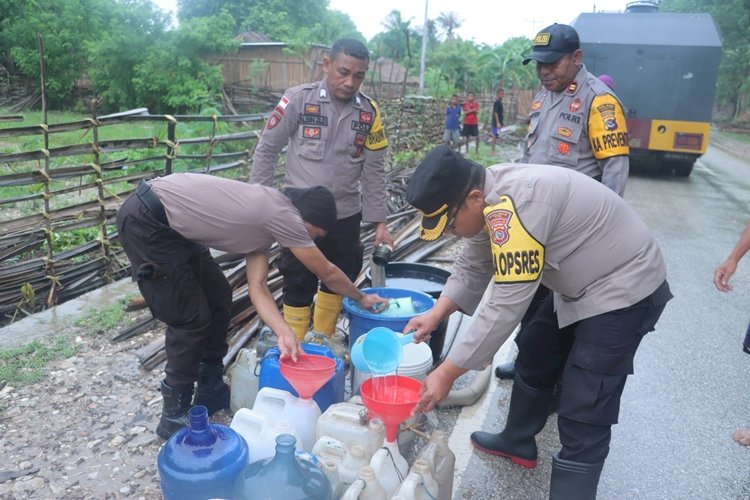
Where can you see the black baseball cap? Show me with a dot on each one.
(552, 43)
(440, 181)
(316, 205)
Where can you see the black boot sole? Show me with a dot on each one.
(523, 462)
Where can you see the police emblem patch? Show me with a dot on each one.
(607, 110)
(575, 105)
(312, 109)
(497, 221)
(311, 132)
(273, 120)
(365, 117)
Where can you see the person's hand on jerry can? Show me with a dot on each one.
(289, 346)
(374, 303)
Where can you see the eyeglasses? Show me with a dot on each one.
(452, 221)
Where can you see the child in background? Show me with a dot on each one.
(452, 132)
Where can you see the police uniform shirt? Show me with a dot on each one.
(555, 226)
(228, 215)
(328, 148)
(583, 128)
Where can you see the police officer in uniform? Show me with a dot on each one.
(529, 225)
(336, 139)
(166, 229)
(576, 122)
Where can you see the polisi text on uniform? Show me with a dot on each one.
(609, 141)
(517, 262)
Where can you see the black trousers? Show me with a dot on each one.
(189, 292)
(341, 246)
(594, 357)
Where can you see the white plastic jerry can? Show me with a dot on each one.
(260, 432)
(420, 483)
(303, 414)
(390, 467)
(243, 382)
(366, 487)
(348, 423)
(442, 462)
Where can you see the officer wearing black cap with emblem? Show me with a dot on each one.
(528, 225)
(576, 121)
(166, 230)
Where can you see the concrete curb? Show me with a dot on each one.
(53, 320)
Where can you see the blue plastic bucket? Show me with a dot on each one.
(362, 321)
(332, 392)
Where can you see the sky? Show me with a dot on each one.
(489, 25)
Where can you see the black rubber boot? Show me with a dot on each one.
(573, 480)
(211, 390)
(174, 413)
(506, 371)
(526, 417)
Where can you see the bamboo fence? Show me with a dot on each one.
(69, 187)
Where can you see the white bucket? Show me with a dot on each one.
(416, 361)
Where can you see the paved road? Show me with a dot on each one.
(690, 389)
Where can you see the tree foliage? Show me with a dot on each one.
(132, 56)
(733, 19)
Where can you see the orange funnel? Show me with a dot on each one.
(391, 399)
(308, 374)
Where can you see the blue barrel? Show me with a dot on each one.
(362, 321)
(201, 461)
(332, 392)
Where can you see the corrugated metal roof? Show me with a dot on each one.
(658, 28)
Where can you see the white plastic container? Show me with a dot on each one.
(390, 467)
(331, 470)
(420, 483)
(328, 448)
(354, 460)
(260, 433)
(366, 487)
(416, 362)
(442, 462)
(303, 414)
(243, 382)
(347, 423)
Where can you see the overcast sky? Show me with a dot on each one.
(484, 21)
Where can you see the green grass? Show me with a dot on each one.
(737, 136)
(100, 321)
(28, 364)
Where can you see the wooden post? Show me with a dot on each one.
(50, 260)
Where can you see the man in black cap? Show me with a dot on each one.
(166, 230)
(532, 225)
(576, 122)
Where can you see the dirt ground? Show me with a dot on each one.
(87, 430)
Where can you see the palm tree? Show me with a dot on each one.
(449, 22)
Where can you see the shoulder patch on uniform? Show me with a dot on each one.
(517, 257)
(607, 129)
(376, 138)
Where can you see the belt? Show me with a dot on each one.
(151, 201)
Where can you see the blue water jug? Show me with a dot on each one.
(286, 476)
(201, 461)
(332, 392)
